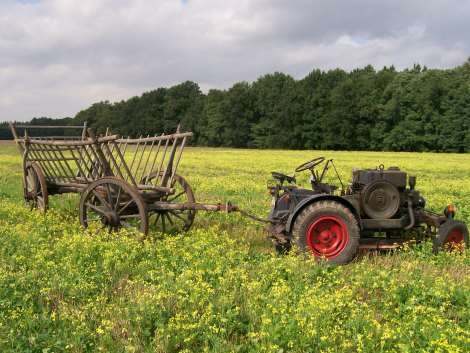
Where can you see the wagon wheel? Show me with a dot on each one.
(112, 203)
(35, 187)
(173, 221)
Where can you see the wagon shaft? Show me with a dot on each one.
(164, 206)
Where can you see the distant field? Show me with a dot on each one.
(220, 287)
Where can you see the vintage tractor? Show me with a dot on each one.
(379, 209)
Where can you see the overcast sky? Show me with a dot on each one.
(59, 56)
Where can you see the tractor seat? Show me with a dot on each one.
(324, 188)
(281, 177)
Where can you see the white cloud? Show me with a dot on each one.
(59, 56)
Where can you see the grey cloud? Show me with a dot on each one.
(59, 56)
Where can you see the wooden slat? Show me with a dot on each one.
(48, 126)
(157, 138)
(69, 143)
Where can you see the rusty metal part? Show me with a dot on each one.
(379, 244)
(277, 232)
(380, 199)
(226, 207)
(252, 216)
(431, 218)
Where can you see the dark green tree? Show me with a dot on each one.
(417, 109)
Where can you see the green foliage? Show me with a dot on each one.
(220, 287)
(228, 117)
(417, 109)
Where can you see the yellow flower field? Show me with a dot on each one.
(220, 287)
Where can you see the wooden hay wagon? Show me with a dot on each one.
(122, 182)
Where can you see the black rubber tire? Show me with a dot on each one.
(312, 213)
(445, 229)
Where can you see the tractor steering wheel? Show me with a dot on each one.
(310, 164)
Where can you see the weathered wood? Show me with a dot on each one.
(155, 188)
(47, 126)
(131, 177)
(175, 167)
(114, 163)
(71, 143)
(156, 138)
(154, 158)
(163, 205)
(159, 171)
(142, 174)
(71, 163)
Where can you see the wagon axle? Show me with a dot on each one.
(111, 219)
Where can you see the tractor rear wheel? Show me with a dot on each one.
(452, 235)
(328, 230)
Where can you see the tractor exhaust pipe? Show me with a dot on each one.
(410, 214)
(412, 182)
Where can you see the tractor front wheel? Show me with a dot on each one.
(328, 230)
(452, 235)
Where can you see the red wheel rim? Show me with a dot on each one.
(455, 237)
(327, 236)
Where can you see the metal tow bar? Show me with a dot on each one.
(227, 207)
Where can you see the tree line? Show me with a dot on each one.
(416, 109)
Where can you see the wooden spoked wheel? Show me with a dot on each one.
(112, 203)
(173, 221)
(35, 187)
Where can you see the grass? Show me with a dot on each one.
(220, 287)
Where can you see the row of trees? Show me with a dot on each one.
(416, 109)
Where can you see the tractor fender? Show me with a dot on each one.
(315, 198)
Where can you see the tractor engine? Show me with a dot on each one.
(383, 194)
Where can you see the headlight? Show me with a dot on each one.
(450, 211)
